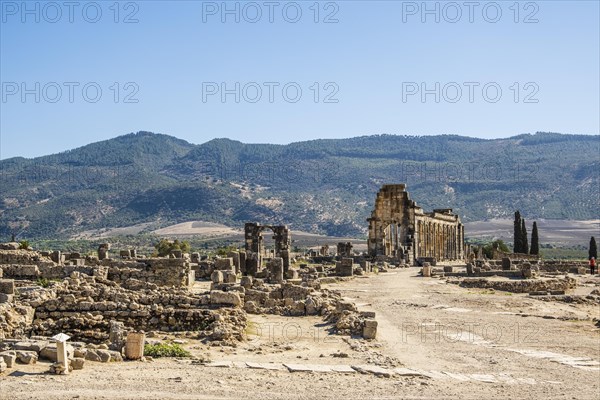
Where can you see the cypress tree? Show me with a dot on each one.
(535, 240)
(517, 246)
(593, 252)
(524, 244)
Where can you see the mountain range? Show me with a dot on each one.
(324, 186)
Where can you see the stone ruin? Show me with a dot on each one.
(400, 229)
(344, 249)
(255, 248)
(88, 297)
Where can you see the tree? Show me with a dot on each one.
(525, 245)
(593, 251)
(535, 240)
(488, 248)
(164, 247)
(518, 242)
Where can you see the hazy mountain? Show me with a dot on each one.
(321, 186)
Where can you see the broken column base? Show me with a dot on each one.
(426, 270)
(370, 329)
(58, 368)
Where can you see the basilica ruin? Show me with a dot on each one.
(400, 229)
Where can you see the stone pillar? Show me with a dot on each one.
(117, 336)
(426, 270)
(253, 261)
(236, 260)
(56, 256)
(62, 357)
(242, 255)
(276, 269)
(103, 251)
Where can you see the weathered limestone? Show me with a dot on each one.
(345, 267)
(7, 286)
(217, 277)
(102, 251)
(116, 335)
(366, 266)
(255, 246)
(276, 270)
(370, 329)
(344, 249)
(426, 270)
(520, 286)
(399, 228)
(226, 298)
(9, 357)
(224, 264)
(235, 256)
(134, 345)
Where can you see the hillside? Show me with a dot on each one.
(319, 186)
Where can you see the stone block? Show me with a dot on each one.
(27, 357)
(506, 264)
(224, 264)
(448, 268)
(366, 266)
(36, 346)
(291, 274)
(227, 298)
(276, 269)
(469, 269)
(50, 352)
(217, 277)
(235, 256)
(6, 298)
(246, 282)
(346, 270)
(229, 277)
(370, 329)
(426, 270)
(9, 357)
(77, 363)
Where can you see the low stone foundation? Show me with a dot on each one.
(520, 285)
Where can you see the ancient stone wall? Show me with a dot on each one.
(176, 272)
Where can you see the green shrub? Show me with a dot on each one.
(165, 350)
(43, 282)
(24, 244)
(164, 247)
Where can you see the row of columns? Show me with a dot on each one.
(440, 240)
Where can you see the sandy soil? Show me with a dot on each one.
(473, 344)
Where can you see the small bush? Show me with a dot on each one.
(24, 245)
(165, 350)
(43, 282)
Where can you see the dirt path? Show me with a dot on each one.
(470, 344)
(429, 324)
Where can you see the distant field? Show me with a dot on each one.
(559, 233)
(555, 232)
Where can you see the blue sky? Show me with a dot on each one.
(364, 74)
